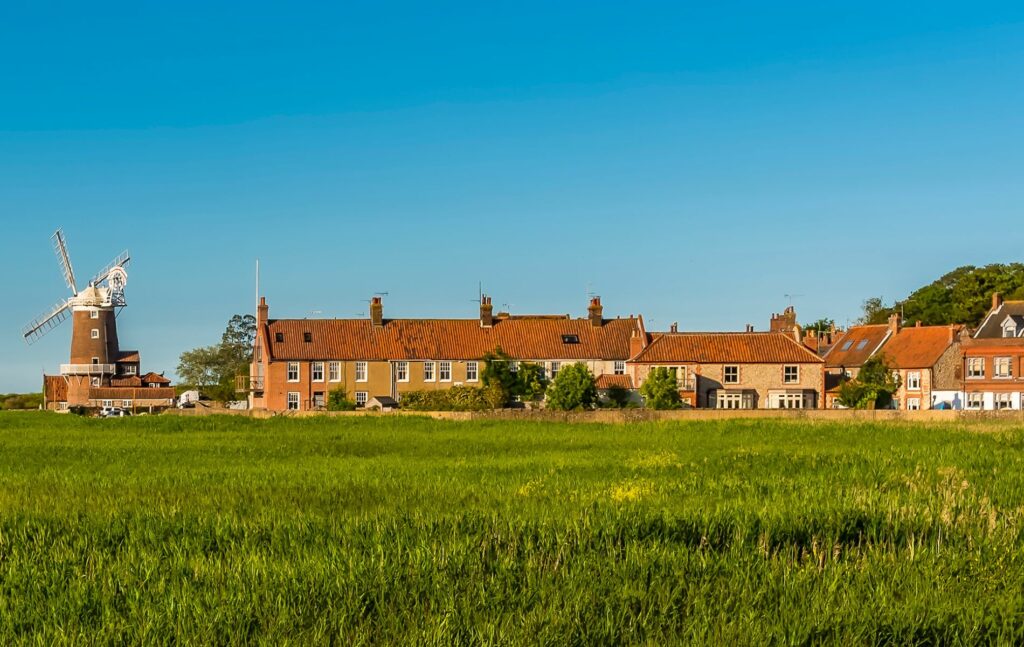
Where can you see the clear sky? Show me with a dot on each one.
(695, 162)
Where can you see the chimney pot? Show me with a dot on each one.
(376, 312)
(595, 312)
(674, 327)
(486, 312)
(262, 312)
(894, 323)
(997, 300)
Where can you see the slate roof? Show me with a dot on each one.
(992, 326)
(726, 348)
(522, 338)
(856, 346)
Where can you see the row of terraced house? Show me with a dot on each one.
(297, 363)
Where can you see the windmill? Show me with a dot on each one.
(93, 310)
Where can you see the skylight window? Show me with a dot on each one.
(570, 339)
(848, 345)
(279, 337)
(307, 337)
(862, 344)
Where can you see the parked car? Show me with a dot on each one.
(114, 412)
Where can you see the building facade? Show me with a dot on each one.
(993, 359)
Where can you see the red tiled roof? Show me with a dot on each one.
(154, 378)
(723, 348)
(133, 381)
(126, 393)
(55, 388)
(606, 381)
(128, 356)
(526, 338)
(918, 347)
(856, 345)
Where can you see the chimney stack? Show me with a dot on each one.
(997, 300)
(262, 312)
(636, 343)
(749, 328)
(894, 323)
(674, 327)
(486, 312)
(595, 312)
(377, 312)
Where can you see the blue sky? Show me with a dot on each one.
(691, 161)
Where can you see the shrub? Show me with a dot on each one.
(573, 388)
(457, 398)
(338, 401)
(872, 388)
(660, 390)
(618, 396)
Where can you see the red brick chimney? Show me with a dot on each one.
(262, 312)
(636, 343)
(595, 312)
(377, 312)
(486, 312)
(894, 323)
(997, 300)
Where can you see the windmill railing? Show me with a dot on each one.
(88, 369)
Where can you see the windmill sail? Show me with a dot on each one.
(121, 260)
(46, 322)
(60, 247)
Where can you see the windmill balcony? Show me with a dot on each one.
(246, 383)
(88, 369)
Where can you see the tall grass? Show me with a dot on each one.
(406, 530)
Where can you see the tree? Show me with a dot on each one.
(498, 374)
(573, 388)
(338, 401)
(820, 326)
(213, 368)
(873, 387)
(660, 389)
(874, 310)
(618, 396)
(532, 383)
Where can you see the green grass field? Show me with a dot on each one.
(406, 530)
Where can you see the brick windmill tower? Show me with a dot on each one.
(95, 352)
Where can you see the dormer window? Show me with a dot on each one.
(570, 339)
(279, 337)
(307, 337)
(1009, 329)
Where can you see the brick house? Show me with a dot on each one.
(748, 370)
(298, 362)
(993, 362)
(849, 352)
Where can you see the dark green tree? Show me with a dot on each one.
(873, 387)
(212, 369)
(573, 388)
(338, 400)
(660, 389)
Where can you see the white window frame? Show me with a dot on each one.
(913, 382)
(127, 404)
(1007, 363)
(913, 404)
(787, 401)
(731, 401)
(975, 368)
(109, 404)
(1002, 401)
(316, 371)
(444, 371)
(555, 368)
(402, 371)
(976, 401)
(96, 381)
(472, 371)
(725, 374)
(513, 366)
(94, 314)
(786, 371)
(294, 399)
(334, 371)
(62, 406)
(362, 397)
(362, 371)
(429, 372)
(619, 367)
(95, 334)
(293, 369)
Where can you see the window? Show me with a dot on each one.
(1004, 401)
(790, 374)
(862, 344)
(95, 361)
(787, 401)
(1009, 329)
(975, 367)
(334, 371)
(108, 403)
(259, 352)
(318, 400)
(913, 382)
(94, 314)
(555, 367)
(428, 371)
(317, 371)
(127, 404)
(570, 339)
(361, 398)
(848, 345)
(513, 366)
(62, 406)
(731, 375)
(1002, 366)
(95, 381)
(307, 337)
(848, 374)
(913, 404)
(130, 369)
(620, 368)
(402, 371)
(293, 371)
(446, 371)
(360, 371)
(733, 401)
(279, 337)
(975, 400)
(472, 371)
(293, 401)
(95, 333)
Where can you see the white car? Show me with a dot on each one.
(114, 412)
